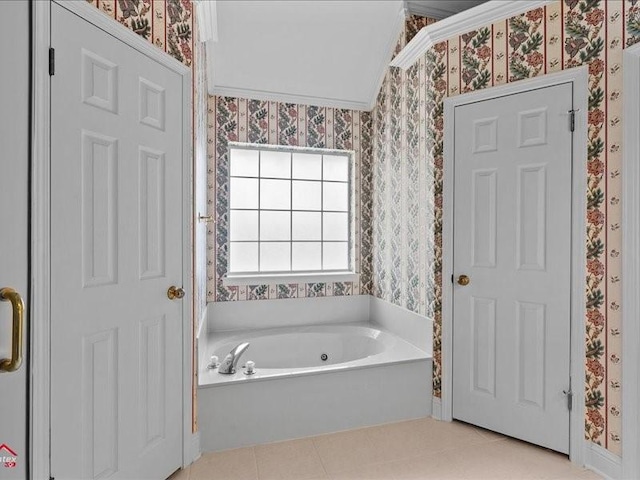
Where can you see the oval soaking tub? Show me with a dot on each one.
(370, 376)
(301, 350)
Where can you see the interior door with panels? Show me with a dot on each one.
(512, 264)
(116, 215)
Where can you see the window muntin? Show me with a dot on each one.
(290, 210)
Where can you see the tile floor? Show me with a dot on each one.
(417, 449)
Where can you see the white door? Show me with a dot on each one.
(512, 223)
(116, 215)
(14, 240)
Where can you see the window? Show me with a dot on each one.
(290, 211)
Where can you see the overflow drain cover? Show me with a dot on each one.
(324, 357)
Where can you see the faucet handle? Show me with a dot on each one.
(250, 368)
(213, 364)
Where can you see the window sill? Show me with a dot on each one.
(233, 280)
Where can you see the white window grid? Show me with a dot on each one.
(260, 148)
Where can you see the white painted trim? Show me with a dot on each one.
(436, 408)
(207, 20)
(259, 279)
(283, 97)
(188, 217)
(106, 23)
(463, 22)
(603, 462)
(41, 243)
(630, 266)
(195, 446)
(376, 84)
(579, 78)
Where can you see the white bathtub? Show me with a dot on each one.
(370, 377)
(284, 352)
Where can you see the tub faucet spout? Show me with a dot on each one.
(228, 365)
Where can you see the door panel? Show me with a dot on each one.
(14, 240)
(513, 240)
(116, 211)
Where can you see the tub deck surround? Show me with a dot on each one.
(290, 312)
(248, 413)
(412, 327)
(371, 376)
(296, 351)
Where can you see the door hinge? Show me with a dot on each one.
(572, 120)
(52, 61)
(569, 394)
(452, 280)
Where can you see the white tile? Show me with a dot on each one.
(293, 460)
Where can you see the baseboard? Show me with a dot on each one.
(196, 452)
(436, 408)
(603, 462)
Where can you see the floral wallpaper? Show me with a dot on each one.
(403, 182)
(413, 24)
(561, 35)
(168, 24)
(257, 121)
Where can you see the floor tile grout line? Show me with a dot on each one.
(315, 449)
(255, 462)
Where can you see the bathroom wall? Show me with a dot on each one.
(403, 250)
(168, 24)
(408, 136)
(257, 121)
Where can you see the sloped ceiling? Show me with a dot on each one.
(320, 52)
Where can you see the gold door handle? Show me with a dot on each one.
(464, 280)
(12, 364)
(175, 293)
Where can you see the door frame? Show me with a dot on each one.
(579, 78)
(631, 269)
(41, 221)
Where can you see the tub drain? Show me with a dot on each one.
(324, 357)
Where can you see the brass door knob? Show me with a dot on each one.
(463, 280)
(175, 293)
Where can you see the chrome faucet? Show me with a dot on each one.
(228, 365)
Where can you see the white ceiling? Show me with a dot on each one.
(319, 52)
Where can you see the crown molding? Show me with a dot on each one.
(429, 10)
(463, 22)
(398, 28)
(283, 97)
(207, 19)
